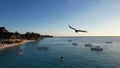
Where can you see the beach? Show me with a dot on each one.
(15, 44)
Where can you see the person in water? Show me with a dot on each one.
(20, 51)
(61, 58)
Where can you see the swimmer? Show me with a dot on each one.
(20, 51)
(61, 58)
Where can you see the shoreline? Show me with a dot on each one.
(15, 44)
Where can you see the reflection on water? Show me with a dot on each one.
(74, 56)
(10, 51)
(43, 48)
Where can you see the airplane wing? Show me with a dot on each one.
(71, 27)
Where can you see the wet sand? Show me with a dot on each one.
(16, 44)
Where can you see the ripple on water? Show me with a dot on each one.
(74, 56)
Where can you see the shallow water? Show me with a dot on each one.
(78, 56)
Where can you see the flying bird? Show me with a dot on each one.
(77, 30)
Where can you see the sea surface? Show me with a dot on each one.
(75, 56)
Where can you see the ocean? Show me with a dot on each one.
(75, 56)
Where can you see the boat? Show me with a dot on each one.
(69, 40)
(108, 42)
(88, 44)
(74, 43)
(97, 48)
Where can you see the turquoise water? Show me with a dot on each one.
(74, 56)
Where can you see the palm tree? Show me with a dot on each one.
(2, 39)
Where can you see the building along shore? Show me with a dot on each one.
(14, 44)
(8, 39)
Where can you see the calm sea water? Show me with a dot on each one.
(74, 56)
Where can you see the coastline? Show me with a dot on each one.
(16, 44)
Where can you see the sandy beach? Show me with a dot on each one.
(16, 44)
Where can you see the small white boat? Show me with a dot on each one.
(74, 43)
(88, 44)
(97, 48)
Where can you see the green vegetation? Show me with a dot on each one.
(31, 36)
(11, 37)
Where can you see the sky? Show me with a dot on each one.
(51, 17)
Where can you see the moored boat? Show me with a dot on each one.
(69, 40)
(108, 42)
(97, 48)
(74, 43)
(88, 44)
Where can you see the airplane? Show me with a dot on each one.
(77, 30)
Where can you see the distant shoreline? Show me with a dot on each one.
(82, 36)
(15, 44)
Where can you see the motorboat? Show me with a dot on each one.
(97, 48)
(88, 44)
(74, 43)
(108, 42)
(69, 40)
